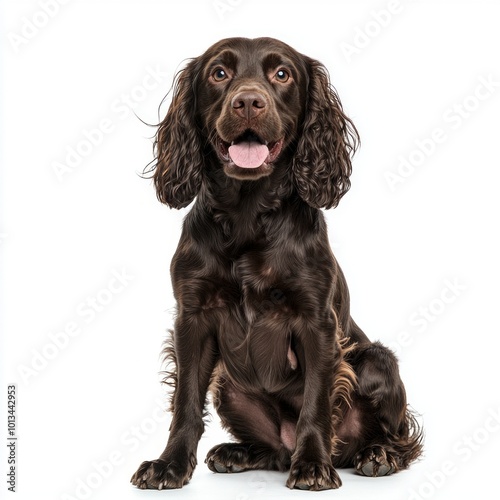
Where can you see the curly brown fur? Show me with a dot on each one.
(257, 134)
(322, 161)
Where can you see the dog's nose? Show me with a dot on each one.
(248, 104)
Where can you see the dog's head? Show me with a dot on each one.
(251, 106)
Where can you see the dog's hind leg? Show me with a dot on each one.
(392, 438)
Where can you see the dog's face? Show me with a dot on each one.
(247, 107)
(253, 96)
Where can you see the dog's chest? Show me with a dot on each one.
(258, 357)
(257, 344)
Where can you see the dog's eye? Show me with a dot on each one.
(219, 75)
(282, 75)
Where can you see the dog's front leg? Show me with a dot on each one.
(311, 467)
(195, 351)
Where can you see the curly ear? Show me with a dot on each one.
(178, 145)
(322, 162)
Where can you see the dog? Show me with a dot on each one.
(257, 134)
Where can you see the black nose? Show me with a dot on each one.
(248, 105)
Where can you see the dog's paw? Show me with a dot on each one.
(161, 475)
(313, 476)
(375, 461)
(227, 457)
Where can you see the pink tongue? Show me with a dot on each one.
(248, 154)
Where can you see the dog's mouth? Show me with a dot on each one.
(249, 150)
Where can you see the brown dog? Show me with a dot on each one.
(258, 135)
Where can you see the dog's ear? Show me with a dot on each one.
(322, 162)
(178, 145)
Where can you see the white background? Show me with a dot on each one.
(92, 409)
